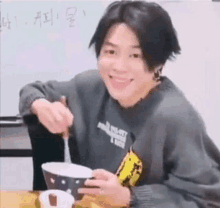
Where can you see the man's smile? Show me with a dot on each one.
(120, 79)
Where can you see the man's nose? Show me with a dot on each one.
(121, 64)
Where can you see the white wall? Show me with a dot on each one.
(197, 70)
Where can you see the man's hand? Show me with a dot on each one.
(109, 186)
(54, 116)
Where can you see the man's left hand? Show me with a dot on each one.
(109, 186)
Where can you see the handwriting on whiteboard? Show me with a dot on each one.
(40, 19)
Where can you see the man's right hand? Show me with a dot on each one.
(54, 116)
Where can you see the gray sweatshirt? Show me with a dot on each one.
(180, 163)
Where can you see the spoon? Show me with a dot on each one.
(65, 136)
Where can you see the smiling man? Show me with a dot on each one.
(146, 143)
(122, 66)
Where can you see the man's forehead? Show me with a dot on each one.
(120, 34)
(110, 43)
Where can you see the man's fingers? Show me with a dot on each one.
(51, 120)
(59, 121)
(97, 183)
(102, 174)
(69, 117)
(96, 191)
(63, 100)
(54, 116)
(66, 113)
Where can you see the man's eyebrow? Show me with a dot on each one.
(136, 46)
(109, 43)
(114, 45)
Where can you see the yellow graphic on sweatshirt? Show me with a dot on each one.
(130, 169)
(128, 174)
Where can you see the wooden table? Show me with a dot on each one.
(29, 199)
(18, 199)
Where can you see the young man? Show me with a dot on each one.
(145, 142)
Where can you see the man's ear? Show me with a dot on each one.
(158, 68)
(157, 72)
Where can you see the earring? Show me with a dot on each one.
(157, 74)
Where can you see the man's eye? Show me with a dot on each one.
(110, 52)
(135, 55)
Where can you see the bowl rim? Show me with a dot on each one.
(44, 168)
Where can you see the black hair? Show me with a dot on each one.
(150, 22)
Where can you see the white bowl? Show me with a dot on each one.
(64, 200)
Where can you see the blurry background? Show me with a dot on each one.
(45, 40)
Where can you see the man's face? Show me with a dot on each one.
(122, 66)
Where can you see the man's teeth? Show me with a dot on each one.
(120, 80)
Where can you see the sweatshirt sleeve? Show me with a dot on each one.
(51, 91)
(194, 177)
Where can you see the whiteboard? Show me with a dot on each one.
(44, 40)
(55, 46)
